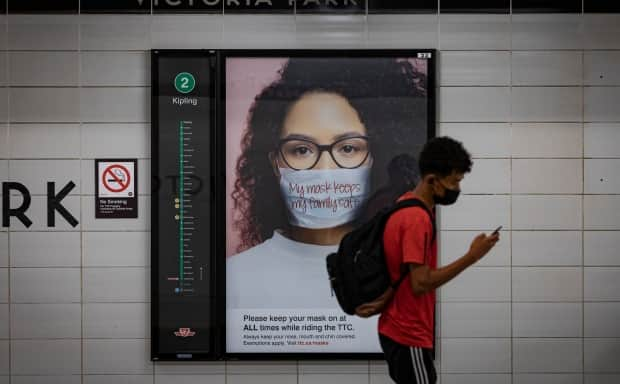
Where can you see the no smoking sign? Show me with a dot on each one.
(116, 188)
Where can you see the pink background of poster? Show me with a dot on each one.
(245, 79)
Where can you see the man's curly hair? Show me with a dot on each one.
(389, 95)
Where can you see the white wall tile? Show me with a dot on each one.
(476, 212)
(601, 283)
(479, 284)
(116, 249)
(476, 378)
(474, 32)
(4, 249)
(480, 139)
(4, 139)
(332, 367)
(45, 141)
(600, 105)
(45, 249)
(597, 378)
(550, 248)
(402, 31)
(257, 31)
(475, 355)
(262, 379)
(487, 176)
(35, 174)
(602, 175)
(190, 379)
(123, 105)
(101, 140)
(4, 285)
(547, 68)
(454, 244)
(547, 320)
(546, 104)
(601, 355)
(338, 378)
(116, 320)
(187, 31)
(547, 176)
(142, 223)
(601, 31)
(143, 176)
(57, 321)
(192, 368)
(43, 68)
(561, 284)
(548, 378)
(600, 248)
(4, 104)
(475, 320)
(547, 355)
(72, 379)
(4, 321)
(474, 68)
(4, 57)
(546, 212)
(117, 357)
(116, 285)
(37, 213)
(261, 368)
(32, 285)
(43, 32)
(601, 67)
(111, 32)
(547, 140)
(601, 319)
(115, 69)
(118, 379)
(49, 105)
(546, 31)
(4, 357)
(602, 140)
(601, 212)
(474, 104)
(45, 357)
(330, 31)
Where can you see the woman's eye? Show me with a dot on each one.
(348, 149)
(302, 151)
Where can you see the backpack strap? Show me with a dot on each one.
(408, 203)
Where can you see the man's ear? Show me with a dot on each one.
(273, 160)
(430, 179)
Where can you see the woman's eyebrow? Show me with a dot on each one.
(348, 135)
(298, 136)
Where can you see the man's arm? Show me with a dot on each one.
(423, 279)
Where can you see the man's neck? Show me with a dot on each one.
(425, 193)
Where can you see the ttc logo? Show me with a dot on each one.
(184, 332)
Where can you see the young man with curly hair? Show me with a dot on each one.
(406, 326)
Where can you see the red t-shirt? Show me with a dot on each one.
(408, 238)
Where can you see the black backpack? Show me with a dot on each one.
(358, 272)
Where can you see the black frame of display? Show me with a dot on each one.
(218, 190)
(221, 173)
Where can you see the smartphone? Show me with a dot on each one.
(496, 231)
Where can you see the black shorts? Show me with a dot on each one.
(408, 365)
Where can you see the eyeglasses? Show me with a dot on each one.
(302, 154)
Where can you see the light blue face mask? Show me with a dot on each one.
(324, 198)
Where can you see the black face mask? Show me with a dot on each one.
(449, 197)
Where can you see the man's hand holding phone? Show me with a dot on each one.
(482, 244)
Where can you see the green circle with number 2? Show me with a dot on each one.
(184, 82)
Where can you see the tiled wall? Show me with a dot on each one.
(534, 97)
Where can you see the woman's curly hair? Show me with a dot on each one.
(389, 95)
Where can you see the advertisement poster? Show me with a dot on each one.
(311, 142)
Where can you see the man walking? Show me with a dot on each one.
(406, 326)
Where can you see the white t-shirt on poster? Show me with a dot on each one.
(279, 273)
